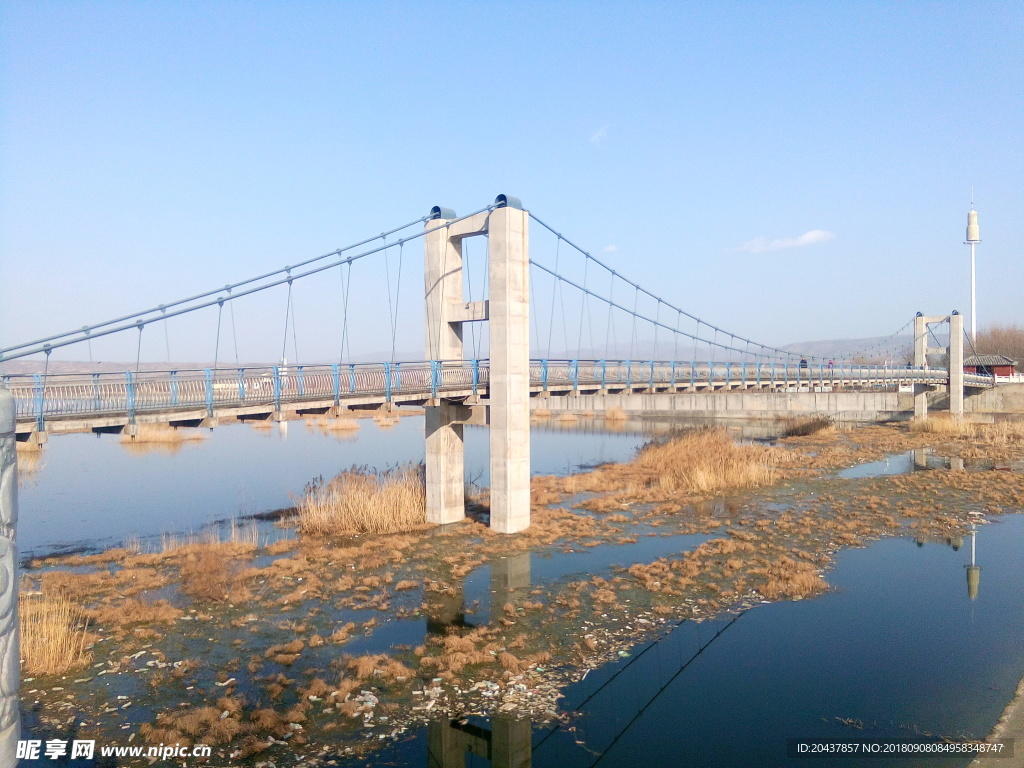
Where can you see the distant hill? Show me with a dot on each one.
(872, 349)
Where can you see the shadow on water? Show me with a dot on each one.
(907, 645)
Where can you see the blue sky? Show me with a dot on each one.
(790, 171)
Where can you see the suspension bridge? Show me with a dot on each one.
(650, 347)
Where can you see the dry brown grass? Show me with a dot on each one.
(540, 414)
(121, 613)
(343, 428)
(942, 424)
(789, 578)
(615, 413)
(54, 634)
(159, 438)
(706, 461)
(362, 501)
(30, 458)
(808, 425)
(207, 574)
(1000, 433)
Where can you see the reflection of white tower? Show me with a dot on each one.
(973, 572)
(973, 238)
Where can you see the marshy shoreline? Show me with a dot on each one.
(306, 649)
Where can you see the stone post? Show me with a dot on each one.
(956, 365)
(10, 656)
(920, 361)
(445, 451)
(509, 315)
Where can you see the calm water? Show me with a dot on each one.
(88, 490)
(898, 646)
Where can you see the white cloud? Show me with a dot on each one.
(764, 245)
(610, 248)
(598, 136)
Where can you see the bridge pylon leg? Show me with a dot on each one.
(445, 469)
(920, 361)
(956, 365)
(509, 317)
(445, 472)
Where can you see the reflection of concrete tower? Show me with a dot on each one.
(507, 575)
(921, 458)
(507, 744)
(973, 572)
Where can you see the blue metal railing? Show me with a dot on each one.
(40, 397)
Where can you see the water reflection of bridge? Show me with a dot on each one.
(613, 697)
(507, 740)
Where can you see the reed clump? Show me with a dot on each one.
(157, 437)
(615, 413)
(324, 425)
(706, 461)
(360, 500)
(811, 425)
(54, 635)
(942, 424)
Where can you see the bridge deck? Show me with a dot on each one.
(108, 402)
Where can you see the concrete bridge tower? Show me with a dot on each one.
(507, 309)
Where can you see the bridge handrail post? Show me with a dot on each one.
(174, 388)
(301, 379)
(673, 375)
(397, 387)
(387, 382)
(629, 374)
(476, 375)
(434, 374)
(758, 374)
(277, 388)
(129, 394)
(39, 401)
(692, 376)
(743, 373)
(96, 400)
(208, 374)
(351, 377)
(651, 379)
(574, 373)
(241, 385)
(604, 373)
(336, 381)
(544, 373)
(773, 373)
(728, 374)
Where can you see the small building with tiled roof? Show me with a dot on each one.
(990, 365)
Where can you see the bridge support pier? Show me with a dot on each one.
(507, 310)
(10, 656)
(445, 472)
(920, 361)
(509, 272)
(956, 365)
